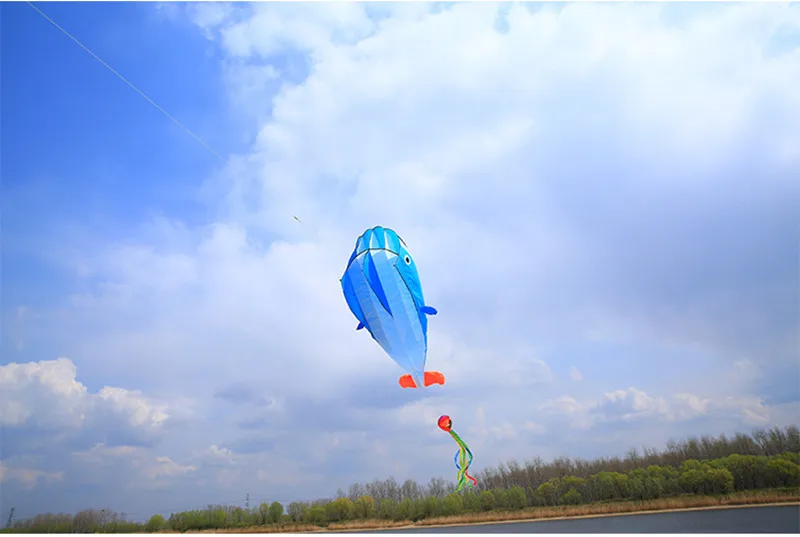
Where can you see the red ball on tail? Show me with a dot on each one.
(445, 423)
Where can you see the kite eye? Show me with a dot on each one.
(407, 260)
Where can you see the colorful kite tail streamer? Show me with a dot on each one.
(463, 468)
(460, 459)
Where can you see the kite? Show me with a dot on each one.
(382, 289)
(462, 464)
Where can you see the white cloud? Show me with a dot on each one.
(696, 406)
(563, 404)
(47, 394)
(534, 427)
(632, 405)
(28, 477)
(58, 433)
(575, 374)
(328, 136)
(218, 452)
(209, 15)
(496, 431)
(272, 29)
(424, 412)
(100, 451)
(135, 468)
(166, 467)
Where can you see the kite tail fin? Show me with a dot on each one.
(434, 377)
(407, 381)
(429, 378)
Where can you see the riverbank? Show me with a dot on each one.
(681, 503)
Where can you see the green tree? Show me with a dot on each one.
(487, 500)
(239, 517)
(427, 507)
(296, 511)
(571, 497)
(516, 497)
(156, 523)
(263, 513)
(339, 509)
(364, 507)
(691, 464)
(691, 481)
(387, 508)
(791, 456)
(603, 485)
(571, 482)
(500, 498)
(453, 504)
(636, 486)
(748, 470)
(720, 481)
(621, 485)
(86, 521)
(472, 501)
(548, 491)
(782, 472)
(275, 512)
(665, 476)
(315, 515)
(176, 522)
(404, 510)
(653, 488)
(705, 479)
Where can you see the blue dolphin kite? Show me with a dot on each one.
(382, 289)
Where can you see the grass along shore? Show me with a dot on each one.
(680, 503)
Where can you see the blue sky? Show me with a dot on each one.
(82, 148)
(600, 199)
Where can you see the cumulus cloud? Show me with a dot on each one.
(326, 140)
(47, 395)
(136, 468)
(631, 405)
(46, 411)
(29, 478)
(607, 186)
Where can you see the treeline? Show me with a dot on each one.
(766, 459)
(86, 521)
(762, 442)
(717, 476)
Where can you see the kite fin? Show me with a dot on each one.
(406, 381)
(433, 377)
(360, 326)
(428, 310)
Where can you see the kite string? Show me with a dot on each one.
(129, 83)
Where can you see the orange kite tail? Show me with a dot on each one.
(431, 377)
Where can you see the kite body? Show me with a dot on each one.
(383, 291)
